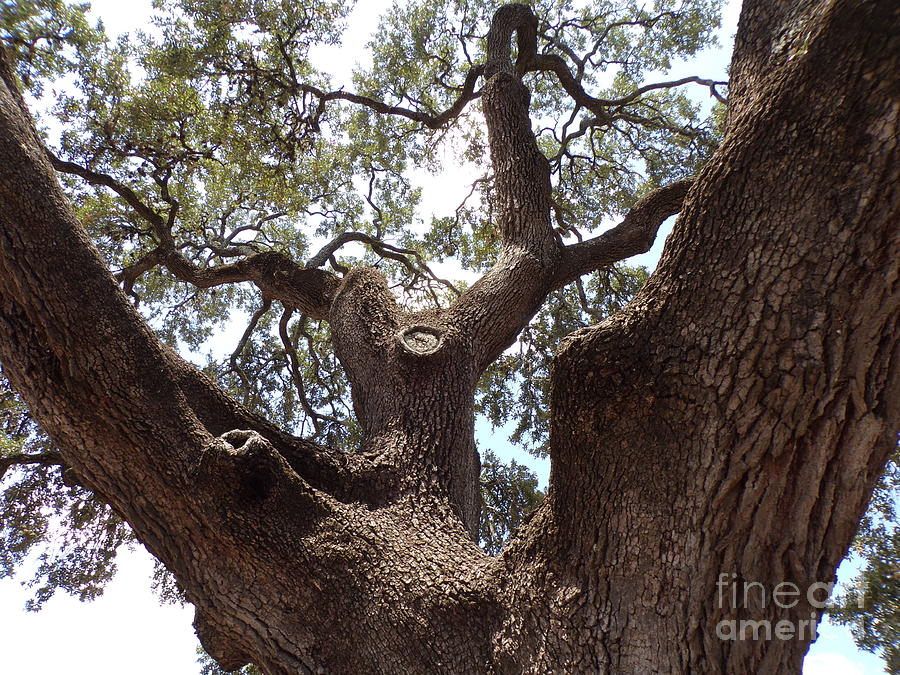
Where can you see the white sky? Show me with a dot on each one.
(126, 630)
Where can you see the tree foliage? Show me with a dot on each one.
(871, 603)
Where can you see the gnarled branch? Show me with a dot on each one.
(634, 235)
(600, 106)
(277, 276)
(383, 249)
(437, 121)
(49, 458)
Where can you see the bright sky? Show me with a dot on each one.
(127, 630)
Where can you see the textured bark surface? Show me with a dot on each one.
(732, 420)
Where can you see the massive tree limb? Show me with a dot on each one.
(734, 419)
(532, 262)
(375, 338)
(116, 402)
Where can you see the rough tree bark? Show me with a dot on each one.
(732, 420)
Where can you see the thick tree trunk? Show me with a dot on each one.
(726, 429)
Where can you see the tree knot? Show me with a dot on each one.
(245, 460)
(420, 339)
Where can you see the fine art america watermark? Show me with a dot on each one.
(732, 594)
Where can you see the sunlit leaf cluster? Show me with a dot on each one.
(870, 606)
(48, 37)
(509, 493)
(516, 388)
(65, 534)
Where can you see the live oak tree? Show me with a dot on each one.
(731, 421)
